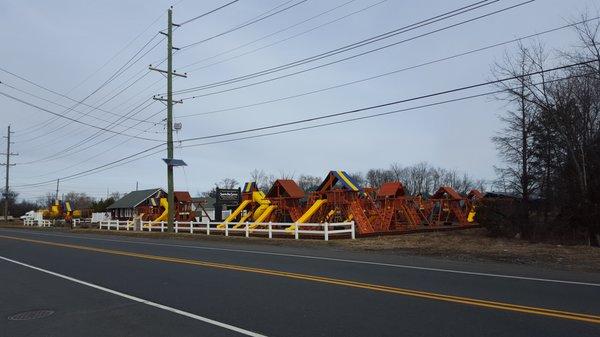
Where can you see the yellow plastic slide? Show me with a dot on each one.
(263, 205)
(164, 204)
(243, 219)
(265, 214)
(309, 213)
(235, 213)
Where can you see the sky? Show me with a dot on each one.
(78, 50)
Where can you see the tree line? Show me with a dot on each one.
(550, 140)
(78, 200)
(418, 179)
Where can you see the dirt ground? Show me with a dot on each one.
(474, 244)
(465, 245)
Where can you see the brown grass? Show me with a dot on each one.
(474, 244)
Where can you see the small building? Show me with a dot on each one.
(183, 206)
(204, 208)
(135, 203)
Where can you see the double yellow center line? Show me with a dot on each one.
(334, 281)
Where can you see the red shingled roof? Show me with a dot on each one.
(182, 196)
(391, 189)
(452, 194)
(475, 195)
(285, 185)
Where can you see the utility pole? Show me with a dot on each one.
(8, 165)
(57, 183)
(169, 101)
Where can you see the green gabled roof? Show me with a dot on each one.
(134, 198)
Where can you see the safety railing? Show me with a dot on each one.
(247, 229)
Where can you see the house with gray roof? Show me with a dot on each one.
(135, 203)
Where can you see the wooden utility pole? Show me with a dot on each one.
(57, 184)
(8, 165)
(169, 101)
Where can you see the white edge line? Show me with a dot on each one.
(381, 264)
(140, 300)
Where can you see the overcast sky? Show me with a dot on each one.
(63, 45)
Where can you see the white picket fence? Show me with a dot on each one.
(268, 229)
(37, 223)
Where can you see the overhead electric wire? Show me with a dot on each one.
(96, 168)
(353, 111)
(257, 19)
(69, 118)
(500, 91)
(333, 62)
(89, 76)
(472, 51)
(115, 75)
(321, 125)
(373, 39)
(61, 95)
(344, 113)
(97, 107)
(132, 112)
(62, 126)
(208, 13)
(69, 151)
(120, 51)
(54, 103)
(265, 37)
(96, 155)
(105, 101)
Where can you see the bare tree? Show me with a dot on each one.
(358, 178)
(551, 140)
(228, 183)
(515, 141)
(79, 200)
(262, 179)
(377, 177)
(309, 183)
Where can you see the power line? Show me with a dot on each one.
(92, 74)
(321, 117)
(115, 75)
(62, 95)
(472, 51)
(361, 43)
(337, 61)
(132, 112)
(131, 159)
(119, 72)
(259, 18)
(57, 104)
(103, 103)
(119, 52)
(353, 111)
(208, 13)
(69, 150)
(381, 114)
(96, 168)
(120, 144)
(69, 118)
(269, 35)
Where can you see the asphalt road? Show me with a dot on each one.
(100, 285)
